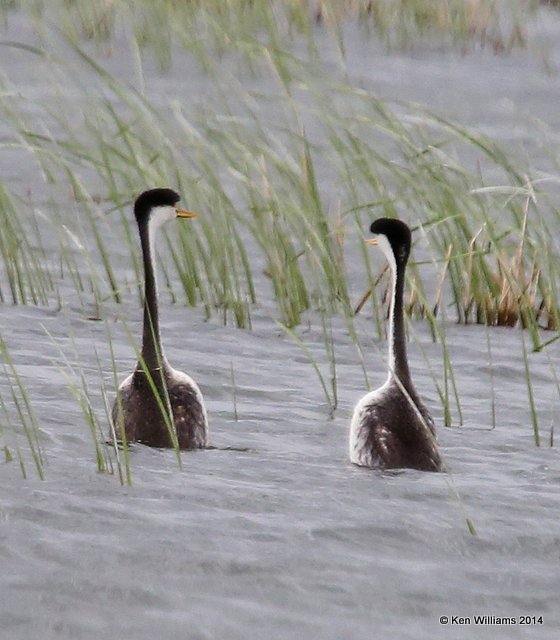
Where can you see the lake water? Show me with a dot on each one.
(287, 539)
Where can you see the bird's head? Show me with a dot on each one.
(158, 206)
(393, 237)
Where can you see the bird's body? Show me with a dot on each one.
(387, 433)
(156, 404)
(391, 427)
(142, 413)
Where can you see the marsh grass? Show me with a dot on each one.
(328, 381)
(264, 183)
(122, 459)
(275, 180)
(555, 400)
(217, 26)
(530, 394)
(491, 374)
(234, 393)
(18, 414)
(94, 383)
(77, 377)
(23, 268)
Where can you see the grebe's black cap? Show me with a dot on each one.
(146, 201)
(397, 233)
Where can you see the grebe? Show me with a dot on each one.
(392, 428)
(137, 408)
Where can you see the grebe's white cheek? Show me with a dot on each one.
(385, 246)
(162, 215)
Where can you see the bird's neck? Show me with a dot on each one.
(152, 352)
(398, 362)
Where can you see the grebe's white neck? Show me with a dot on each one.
(385, 246)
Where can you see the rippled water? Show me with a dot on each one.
(287, 539)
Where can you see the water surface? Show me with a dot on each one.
(287, 539)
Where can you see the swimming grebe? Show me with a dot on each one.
(391, 427)
(169, 408)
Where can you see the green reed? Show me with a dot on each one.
(75, 375)
(276, 178)
(530, 393)
(402, 23)
(259, 180)
(19, 404)
(125, 474)
(22, 256)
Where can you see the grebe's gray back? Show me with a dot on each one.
(165, 407)
(391, 427)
